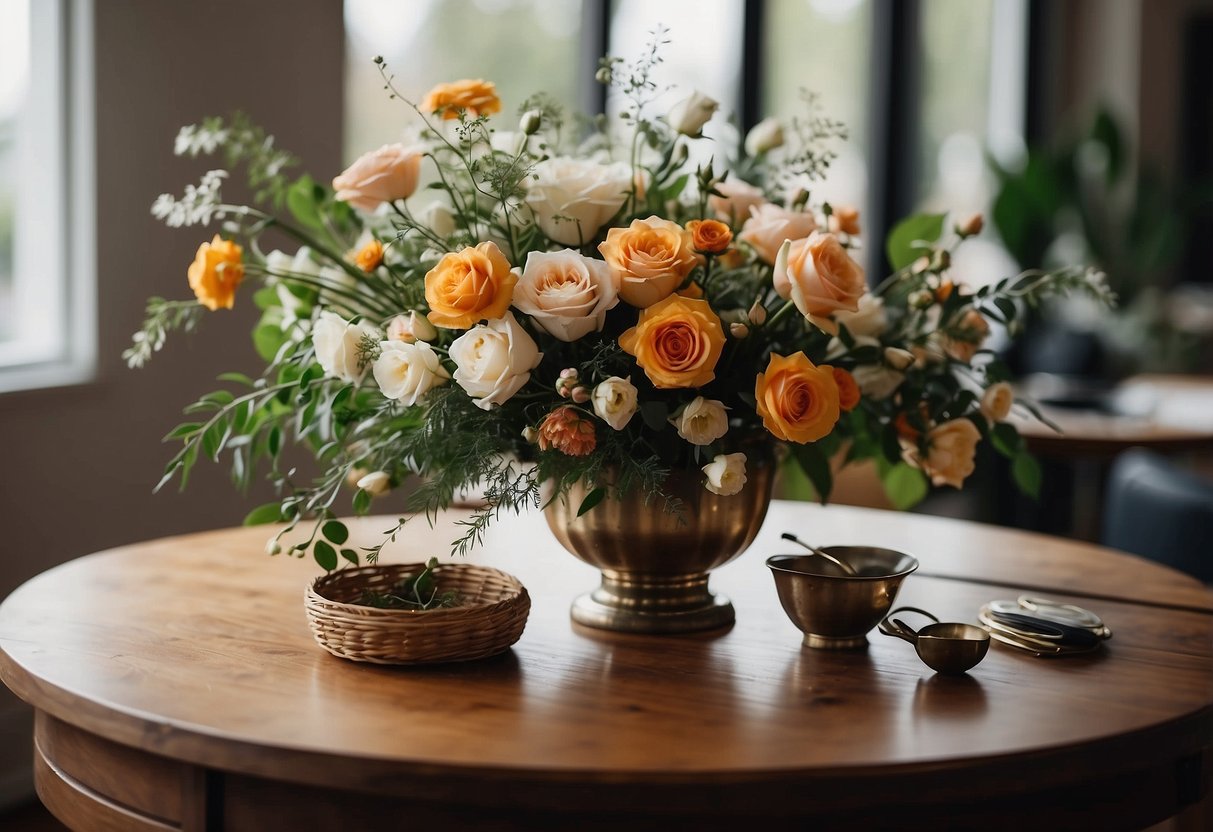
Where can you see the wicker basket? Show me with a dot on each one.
(491, 615)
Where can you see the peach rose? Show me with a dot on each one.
(566, 294)
(769, 225)
(370, 256)
(216, 272)
(565, 430)
(651, 257)
(469, 285)
(382, 175)
(848, 389)
(738, 198)
(951, 452)
(709, 236)
(797, 400)
(845, 219)
(965, 338)
(996, 402)
(821, 278)
(677, 342)
(475, 96)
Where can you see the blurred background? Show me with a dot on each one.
(1083, 130)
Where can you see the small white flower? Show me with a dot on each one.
(615, 401)
(763, 136)
(726, 474)
(690, 115)
(411, 327)
(375, 483)
(406, 372)
(702, 421)
(897, 358)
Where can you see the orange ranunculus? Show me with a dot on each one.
(469, 285)
(677, 342)
(565, 430)
(848, 389)
(216, 272)
(652, 257)
(477, 97)
(370, 256)
(797, 400)
(709, 236)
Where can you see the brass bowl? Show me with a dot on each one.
(834, 610)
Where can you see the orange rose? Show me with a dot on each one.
(966, 337)
(709, 236)
(692, 290)
(469, 285)
(845, 218)
(565, 430)
(848, 389)
(477, 97)
(797, 400)
(216, 272)
(677, 342)
(370, 256)
(652, 257)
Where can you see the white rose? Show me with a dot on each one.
(375, 483)
(769, 225)
(877, 381)
(690, 115)
(439, 218)
(737, 200)
(411, 327)
(897, 358)
(406, 372)
(726, 474)
(615, 401)
(996, 402)
(573, 198)
(278, 262)
(494, 360)
(566, 294)
(336, 343)
(702, 421)
(763, 136)
(869, 319)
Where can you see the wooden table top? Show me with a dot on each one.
(197, 648)
(1164, 412)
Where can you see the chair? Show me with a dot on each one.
(1161, 512)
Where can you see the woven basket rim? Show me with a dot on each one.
(314, 593)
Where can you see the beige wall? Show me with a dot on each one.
(80, 462)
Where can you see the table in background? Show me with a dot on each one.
(177, 687)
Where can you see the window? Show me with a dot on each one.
(46, 325)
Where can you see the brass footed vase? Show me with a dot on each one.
(655, 562)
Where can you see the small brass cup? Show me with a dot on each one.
(834, 610)
(946, 648)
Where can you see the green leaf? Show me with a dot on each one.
(325, 555)
(816, 467)
(212, 440)
(274, 443)
(1007, 307)
(237, 378)
(1006, 439)
(905, 485)
(592, 499)
(336, 531)
(301, 202)
(654, 414)
(219, 397)
(909, 238)
(1026, 471)
(183, 429)
(362, 502)
(268, 339)
(350, 555)
(268, 513)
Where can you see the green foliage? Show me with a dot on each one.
(413, 592)
(904, 484)
(912, 238)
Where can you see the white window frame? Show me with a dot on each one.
(54, 240)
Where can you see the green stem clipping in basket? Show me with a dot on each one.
(413, 592)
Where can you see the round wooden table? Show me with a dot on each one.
(177, 687)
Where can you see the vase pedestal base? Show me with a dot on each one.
(631, 603)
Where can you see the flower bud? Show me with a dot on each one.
(580, 395)
(971, 226)
(921, 299)
(530, 435)
(603, 75)
(898, 358)
(757, 313)
(272, 546)
(530, 121)
(941, 260)
(410, 328)
(739, 330)
(764, 136)
(376, 483)
(690, 115)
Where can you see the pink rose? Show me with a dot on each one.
(379, 176)
(769, 225)
(820, 277)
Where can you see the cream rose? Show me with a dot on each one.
(820, 277)
(870, 319)
(411, 327)
(877, 381)
(996, 402)
(406, 372)
(336, 342)
(615, 401)
(764, 136)
(382, 175)
(726, 474)
(375, 483)
(738, 198)
(951, 451)
(702, 421)
(690, 115)
(566, 294)
(573, 198)
(494, 360)
(898, 359)
(769, 225)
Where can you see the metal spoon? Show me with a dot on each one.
(845, 567)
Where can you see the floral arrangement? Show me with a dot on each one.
(562, 304)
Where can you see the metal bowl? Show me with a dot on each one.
(834, 610)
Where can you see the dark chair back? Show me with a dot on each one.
(1160, 511)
